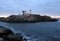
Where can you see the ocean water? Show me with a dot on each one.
(41, 31)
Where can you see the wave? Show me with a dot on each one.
(58, 20)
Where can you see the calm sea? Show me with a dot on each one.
(41, 31)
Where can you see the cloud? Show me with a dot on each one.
(51, 7)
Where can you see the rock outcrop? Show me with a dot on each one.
(8, 35)
(3, 19)
(27, 18)
(4, 32)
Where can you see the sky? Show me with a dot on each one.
(43, 7)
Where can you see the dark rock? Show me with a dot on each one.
(8, 35)
(14, 38)
(1, 39)
(5, 32)
(2, 19)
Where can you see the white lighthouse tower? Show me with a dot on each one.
(30, 11)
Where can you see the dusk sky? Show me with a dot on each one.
(44, 7)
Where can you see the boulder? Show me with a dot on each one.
(15, 38)
(1, 39)
(4, 32)
(8, 35)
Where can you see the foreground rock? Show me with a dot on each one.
(4, 32)
(1, 39)
(8, 35)
(14, 38)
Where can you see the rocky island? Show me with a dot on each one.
(27, 18)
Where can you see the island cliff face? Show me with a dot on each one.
(27, 18)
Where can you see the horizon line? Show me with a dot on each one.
(52, 16)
